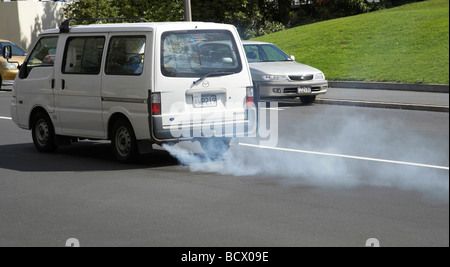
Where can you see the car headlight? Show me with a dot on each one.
(268, 77)
(319, 76)
(9, 66)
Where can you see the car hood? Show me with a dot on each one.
(286, 68)
(19, 59)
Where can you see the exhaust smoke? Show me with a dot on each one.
(356, 151)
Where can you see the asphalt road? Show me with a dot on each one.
(379, 174)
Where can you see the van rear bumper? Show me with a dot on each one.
(183, 132)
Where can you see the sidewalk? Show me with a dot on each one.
(383, 98)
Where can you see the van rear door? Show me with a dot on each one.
(202, 83)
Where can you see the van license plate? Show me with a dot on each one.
(205, 101)
(304, 90)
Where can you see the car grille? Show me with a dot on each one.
(290, 90)
(301, 77)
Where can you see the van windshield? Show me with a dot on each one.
(197, 53)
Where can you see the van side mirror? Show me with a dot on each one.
(7, 52)
(292, 58)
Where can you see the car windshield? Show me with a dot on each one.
(16, 51)
(265, 53)
(198, 53)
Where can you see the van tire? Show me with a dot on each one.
(43, 133)
(215, 147)
(123, 141)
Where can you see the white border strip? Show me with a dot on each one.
(346, 156)
(5, 118)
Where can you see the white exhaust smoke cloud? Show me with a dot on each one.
(358, 135)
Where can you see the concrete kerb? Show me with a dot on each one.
(430, 88)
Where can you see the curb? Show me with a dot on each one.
(385, 105)
(430, 88)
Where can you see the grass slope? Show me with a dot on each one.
(404, 44)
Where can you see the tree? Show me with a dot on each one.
(251, 17)
(151, 10)
(92, 9)
(284, 7)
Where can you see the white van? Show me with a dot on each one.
(136, 84)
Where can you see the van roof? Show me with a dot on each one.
(147, 26)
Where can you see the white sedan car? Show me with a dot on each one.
(277, 75)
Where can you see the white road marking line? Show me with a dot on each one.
(278, 109)
(346, 156)
(5, 118)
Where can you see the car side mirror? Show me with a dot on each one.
(292, 58)
(7, 52)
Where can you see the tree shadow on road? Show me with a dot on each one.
(80, 157)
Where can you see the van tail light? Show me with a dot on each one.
(250, 100)
(156, 104)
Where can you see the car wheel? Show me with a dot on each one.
(308, 99)
(43, 133)
(123, 141)
(215, 147)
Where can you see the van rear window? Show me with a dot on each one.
(197, 53)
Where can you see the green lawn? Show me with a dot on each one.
(404, 44)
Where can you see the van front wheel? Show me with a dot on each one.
(124, 141)
(43, 133)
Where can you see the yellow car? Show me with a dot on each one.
(8, 71)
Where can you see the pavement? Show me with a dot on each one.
(382, 98)
(338, 177)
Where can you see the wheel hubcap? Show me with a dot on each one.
(42, 133)
(123, 142)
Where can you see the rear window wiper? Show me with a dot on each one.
(216, 74)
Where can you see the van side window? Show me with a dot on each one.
(83, 55)
(43, 55)
(125, 55)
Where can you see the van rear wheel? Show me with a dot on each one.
(215, 147)
(43, 133)
(124, 142)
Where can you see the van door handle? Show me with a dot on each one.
(63, 84)
(53, 83)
